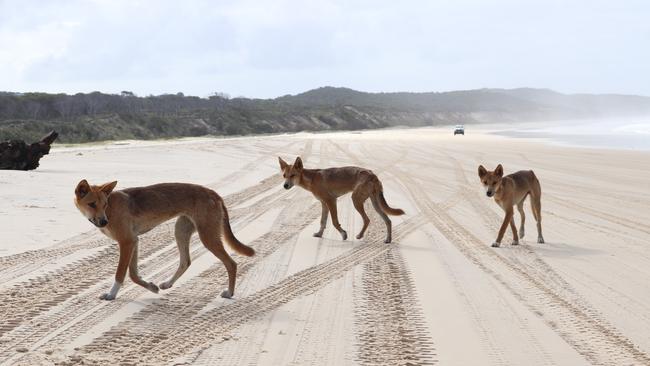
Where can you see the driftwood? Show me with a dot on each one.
(17, 155)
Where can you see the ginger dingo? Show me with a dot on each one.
(512, 190)
(126, 214)
(329, 184)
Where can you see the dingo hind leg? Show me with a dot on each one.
(536, 206)
(183, 231)
(389, 225)
(358, 199)
(210, 235)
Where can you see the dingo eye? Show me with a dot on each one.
(92, 205)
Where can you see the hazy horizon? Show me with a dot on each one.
(250, 49)
(316, 88)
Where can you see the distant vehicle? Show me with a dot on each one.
(460, 130)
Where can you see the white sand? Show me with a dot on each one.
(438, 294)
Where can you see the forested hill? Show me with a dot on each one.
(97, 116)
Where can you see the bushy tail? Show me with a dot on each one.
(387, 209)
(379, 194)
(238, 246)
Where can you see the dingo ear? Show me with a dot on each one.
(298, 163)
(499, 170)
(82, 189)
(283, 164)
(107, 188)
(481, 171)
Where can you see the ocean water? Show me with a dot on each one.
(628, 134)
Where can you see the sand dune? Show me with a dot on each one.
(438, 295)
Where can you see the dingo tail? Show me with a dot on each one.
(387, 209)
(379, 191)
(235, 244)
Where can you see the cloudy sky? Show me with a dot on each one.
(272, 48)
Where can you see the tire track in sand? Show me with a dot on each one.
(389, 322)
(35, 321)
(579, 325)
(387, 314)
(21, 264)
(126, 344)
(27, 301)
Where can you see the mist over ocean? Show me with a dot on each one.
(622, 133)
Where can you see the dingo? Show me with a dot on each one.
(123, 215)
(512, 190)
(329, 184)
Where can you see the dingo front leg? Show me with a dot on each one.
(126, 251)
(112, 293)
(331, 205)
(135, 276)
(515, 238)
(323, 220)
(504, 226)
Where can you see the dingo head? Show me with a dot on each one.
(93, 200)
(291, 173)
(491, 180)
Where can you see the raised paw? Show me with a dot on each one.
(107, 297)
(540, 240)
(359, 236)
(226, 294)
(318, 235)
(344, 235)
(522, 232)
(496, 244)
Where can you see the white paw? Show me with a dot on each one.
(165, 285)
(515, 242)
(226, 294)
(107, 296)
(522, 232)
(496, 244)
(344, 235)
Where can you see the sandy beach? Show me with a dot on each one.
(439, 294)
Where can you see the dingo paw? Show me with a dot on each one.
(152, 287)
(496, 244)
(388, 240)
(522, 232)
(226, 294)
(540, 240)
(107, 296)
(166, 285)
(344, 235)
(318, 235)
(515, 242)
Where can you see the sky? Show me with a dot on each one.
(265, 49)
